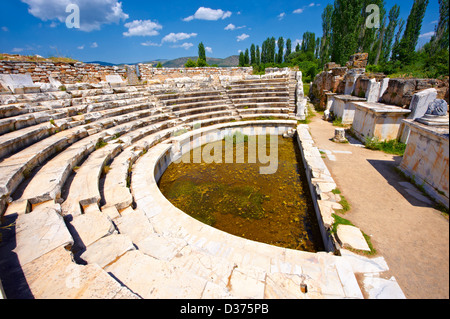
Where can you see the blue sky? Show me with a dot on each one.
(130, 31)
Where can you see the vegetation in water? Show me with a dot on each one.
(274, 209)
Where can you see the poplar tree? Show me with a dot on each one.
(246, 57)
(252, 54)
(288, 49)
(201, 52)
(326, 36)
(258, 55)
(389, 33)
(280, 50)
(407, 46)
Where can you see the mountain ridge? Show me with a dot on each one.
(231, 61)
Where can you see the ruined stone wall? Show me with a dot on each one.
(161, 75)
(68, 73)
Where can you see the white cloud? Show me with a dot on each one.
(281, 16)
(175, 37)
(5, 29)
(142, 28)
(209, 14)
(94, 13)
(427, 35)
(232, 27)
(54, 24)
(208, 49)
(81, 47)
(312, 4)
(242, 37)
(94, 45)
(17, 50)
(151, 44)
(185, 46)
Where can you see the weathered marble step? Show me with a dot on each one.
(270, 99)
(204, 116)
(15, 169)
(201, 110)
(260, 110)
(47, 183)
(258, 94)
(109, 98)
(275, 115)
(12, 142)
(261, 104)
(84, 189)
(178, 107)
(254, 90)
(66, 280)
(40, 232)
(15, 123)
(180, 95)
(203, 99)
(116, 191)
(15, 109)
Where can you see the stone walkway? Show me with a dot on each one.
(404, 227)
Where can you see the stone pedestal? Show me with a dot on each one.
(426, 156)
(339, 135)
(343, 107)
(376, 120)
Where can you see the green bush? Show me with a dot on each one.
(190, 64)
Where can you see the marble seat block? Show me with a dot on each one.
(376, 120)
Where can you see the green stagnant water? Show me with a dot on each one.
(275, 209)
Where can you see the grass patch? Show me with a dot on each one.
(338, 220)
(101, 143)
(390, 147)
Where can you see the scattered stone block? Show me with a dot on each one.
(40, 232)
(352, 236)
(107, 249)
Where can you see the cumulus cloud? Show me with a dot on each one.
(208, 49)
(94, 45)
(81, 47)
(300, 10)
(232, 27)
(242, 37)
(281, 16)
(427, 35)
(209, 14)
(175, 37)
(151, 44)
(185, 46)
(93, 13)
(142, 28)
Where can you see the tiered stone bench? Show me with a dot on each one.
(79, 182)
(268, 97)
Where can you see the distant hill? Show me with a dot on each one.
(231, 61)
(180, 62)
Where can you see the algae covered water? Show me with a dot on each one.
(234, 197)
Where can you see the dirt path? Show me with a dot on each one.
(412, 236)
